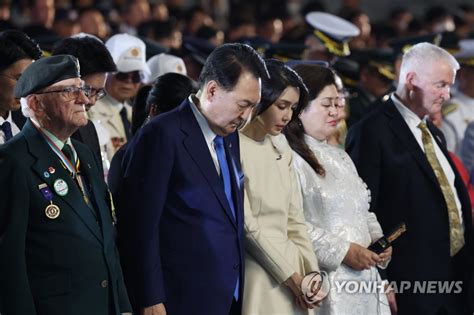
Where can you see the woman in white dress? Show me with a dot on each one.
(336, 202)
(278, 248)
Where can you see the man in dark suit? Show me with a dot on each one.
(56, 232)
(403, 159)
(95, 62)
(181, 217)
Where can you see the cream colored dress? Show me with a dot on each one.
(277, 241)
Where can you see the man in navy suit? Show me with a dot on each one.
(180, 204)
(403, 159)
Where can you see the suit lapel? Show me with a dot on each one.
(96, 189)
(196, 145)
(45, 159)
(403, 132)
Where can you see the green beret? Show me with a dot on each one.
(45, 72)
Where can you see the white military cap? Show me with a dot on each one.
(333, 31)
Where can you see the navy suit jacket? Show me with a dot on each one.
(179, 241)
(405, 189)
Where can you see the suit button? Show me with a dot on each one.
(104, 284)
(236, 266)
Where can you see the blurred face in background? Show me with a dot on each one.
(96, 83)
(123, 85)
(8, 79)
(43, 12)
(92, 22)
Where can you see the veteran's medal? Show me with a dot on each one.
(52, 211)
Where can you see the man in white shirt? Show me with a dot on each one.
(17, 51)
(114, 111)
(404, 161)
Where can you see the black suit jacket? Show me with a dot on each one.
(88, 136)
(404, 189)
(68, 265)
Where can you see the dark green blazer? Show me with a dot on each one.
(64, 266)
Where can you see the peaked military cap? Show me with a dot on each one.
(401, 45)
(333, 31)
(465, 56)
(379, 59)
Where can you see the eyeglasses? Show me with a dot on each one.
(133, 76)
(70, 92)
(94, 92)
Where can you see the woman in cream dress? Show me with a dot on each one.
(336, 202)
(278, 249)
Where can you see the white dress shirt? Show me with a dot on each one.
(413, 121)
(14, 127)
(209, 135)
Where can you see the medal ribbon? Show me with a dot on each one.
(46, 192)
(64, 160)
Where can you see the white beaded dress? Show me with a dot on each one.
(336, 211)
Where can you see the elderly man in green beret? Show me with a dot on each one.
(57, 246)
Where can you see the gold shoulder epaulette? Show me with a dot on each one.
(448, 108)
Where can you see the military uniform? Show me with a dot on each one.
(107, 113)
(55, 261)
(457, 114)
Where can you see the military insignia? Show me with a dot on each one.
(448, 108)
(61, 187)
(51, 170)
(135, 52)
(52, 211)
(46, 174)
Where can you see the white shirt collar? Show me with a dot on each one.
(115, 103)
(408, 115)
(209, 135)
(9, 118)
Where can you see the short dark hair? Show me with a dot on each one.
(16, 45)
(139, 112)
(281, 77)
(168, 91)
(92, 54)
(227, 62)
(316, 78)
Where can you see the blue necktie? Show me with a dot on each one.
(7, 130)
(225, 176)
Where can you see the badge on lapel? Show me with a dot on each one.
(61, 187)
